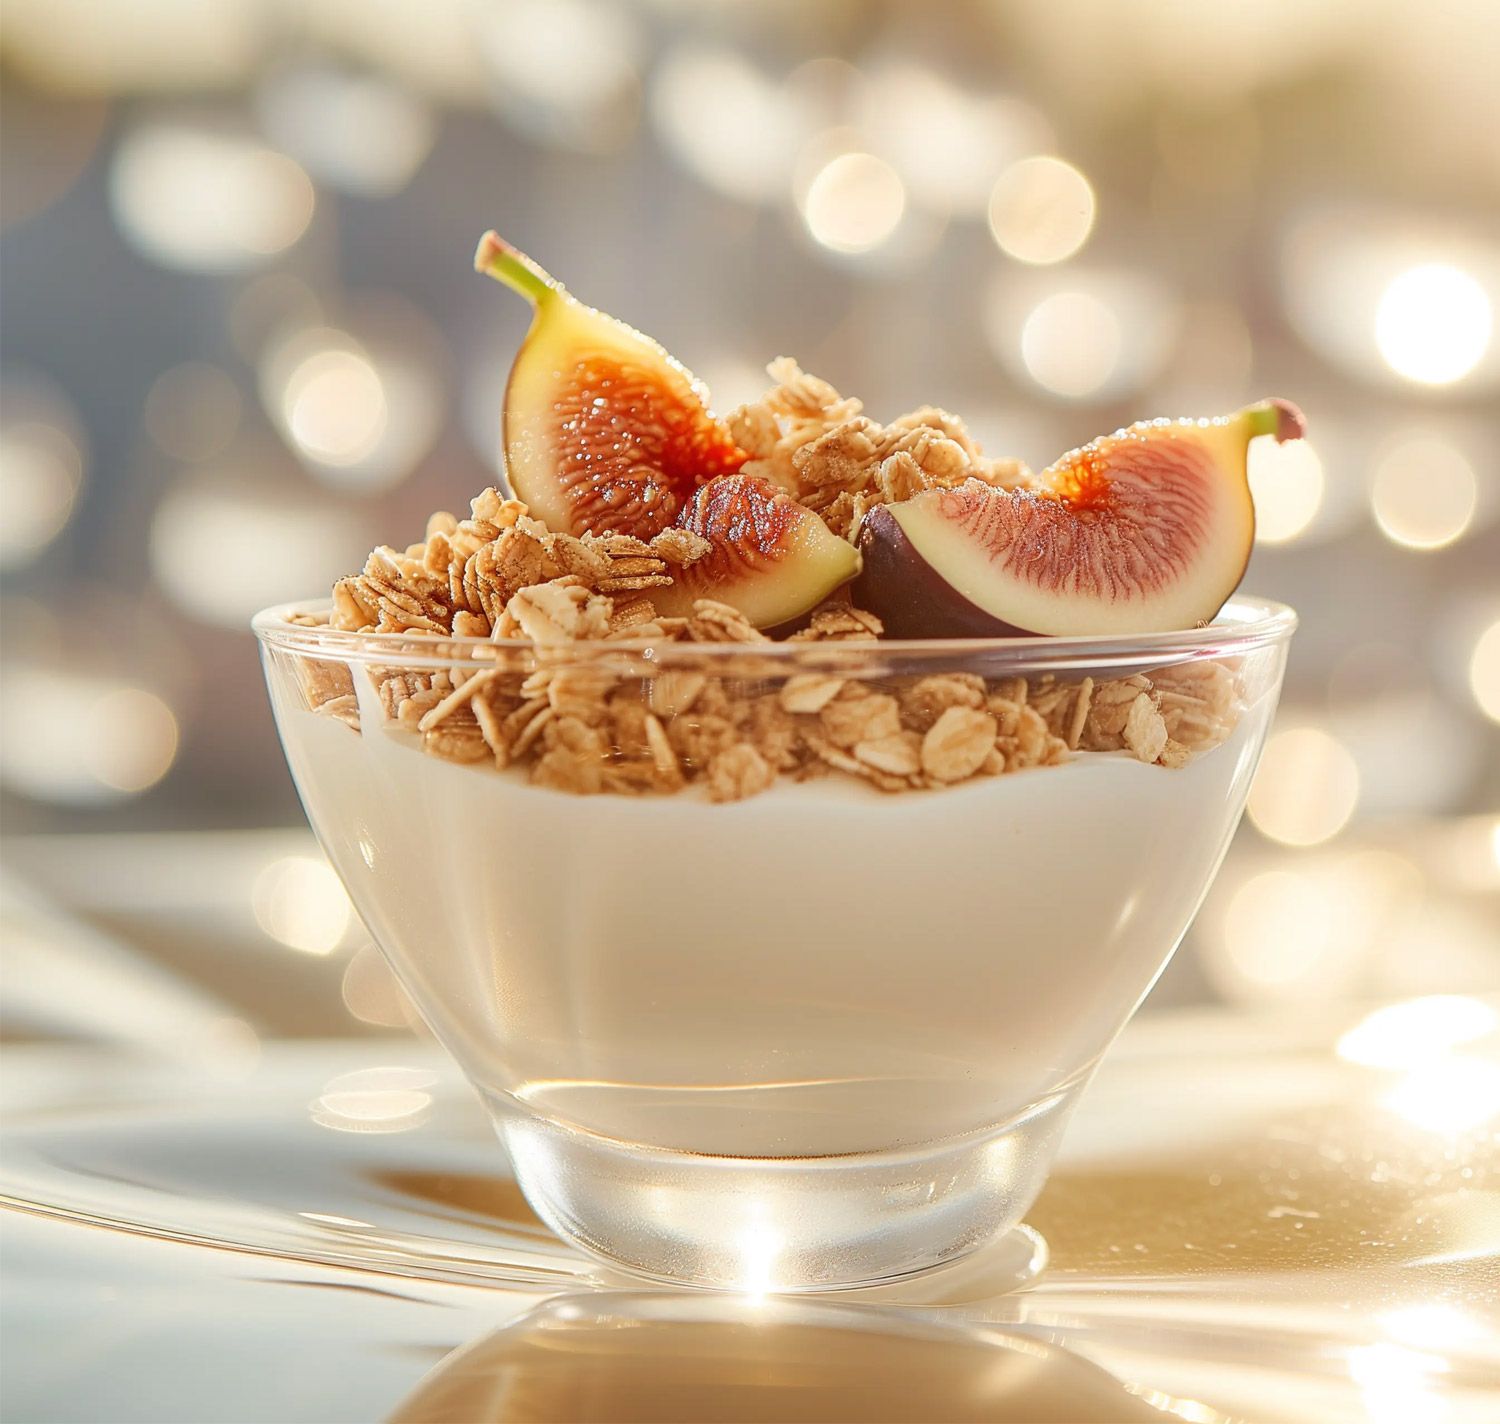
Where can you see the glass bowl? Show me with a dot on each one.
(752, 1002)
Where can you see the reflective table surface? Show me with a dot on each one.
(1252, 1219)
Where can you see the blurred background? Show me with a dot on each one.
(242, 343)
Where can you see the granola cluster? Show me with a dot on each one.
(583, 728)
(817, 445)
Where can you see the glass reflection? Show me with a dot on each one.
(667, 1357)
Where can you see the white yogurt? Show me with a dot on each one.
(819, 969)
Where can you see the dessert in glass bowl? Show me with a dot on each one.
(778, 817)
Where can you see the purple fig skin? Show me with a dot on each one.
(910, 597)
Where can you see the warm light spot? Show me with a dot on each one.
(1433, 324)
(1041, 210)
(79, 740)
(1484, 671)
(1286, 483)
(1306, 789)
(1407, 1035)
(300, 902)
(193, 410)
(137, 743)
(1395, 1384)
(725, 121)
(759, 1251)
(208, 544)
(565, 71)
(41, 469)
(1449, 1096)
(371, 992)
(334, 406)
(357, 410)
(191, 196)
(375, 1100)
(357, 131)
(1071, 344)
(1433, 1325)
(1424, 493)
(1279, 926)
(853, 203)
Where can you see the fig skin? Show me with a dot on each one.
(910, 597)
(1146, 530)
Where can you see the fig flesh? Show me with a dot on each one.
(1145, 530)
(604, 432)
(772, 558)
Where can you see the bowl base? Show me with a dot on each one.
(762, 1224)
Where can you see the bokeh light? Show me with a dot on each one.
(1449, 1096)
(1433, 323)
(566, 71)
(375, 1100)
(42, 451)
(853, 203)
(79, 46)
(1306, 789)
(358, 132)
(946, 142)
(1424, 493)
(1286, 483)
(74, 738)
(1323, 926)
(728, 124)
(1041, 210)
(1406, 1035)
(189, 195)
(1279, 926)
(299, 902)
(1484, 671)
(193, 411)
(1071, 344)
(227, 543)
(334, 406)
(357, 413)
(1086, 335)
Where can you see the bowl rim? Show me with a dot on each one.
(1245, 623)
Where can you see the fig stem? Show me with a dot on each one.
(1276, 417)
(496, 258)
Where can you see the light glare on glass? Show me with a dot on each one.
(1306, 789)
(1041, 210)
(1433, 324)
(1286, 483)
(853, 203)
(1424, 493)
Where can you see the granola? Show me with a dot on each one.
(589, 727)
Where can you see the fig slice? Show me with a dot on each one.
(1145, 530)
(772, 558)
(604, 432)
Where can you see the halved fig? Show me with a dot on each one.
(1141, 531)
(772, 558)
(604, 432)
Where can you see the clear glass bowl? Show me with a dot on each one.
(825, 1035)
